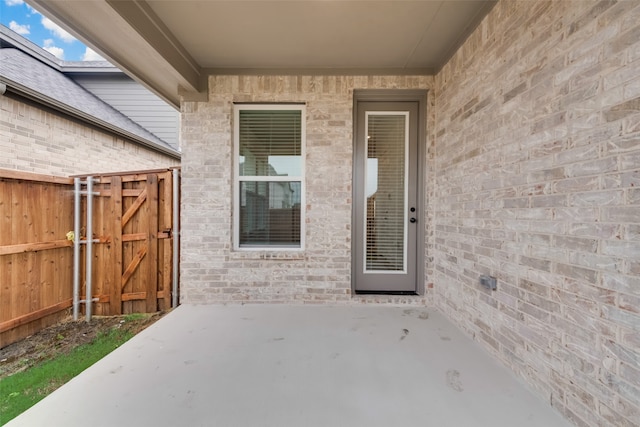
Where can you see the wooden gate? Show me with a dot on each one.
(132, 254)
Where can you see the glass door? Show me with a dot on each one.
(386, 214)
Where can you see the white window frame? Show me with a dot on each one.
(238, 179)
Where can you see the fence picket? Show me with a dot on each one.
(151, 217)
(115, 303)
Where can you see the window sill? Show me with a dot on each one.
(268, 254)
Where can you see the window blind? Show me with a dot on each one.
(385, 207)
(270, 142)
(270, 177)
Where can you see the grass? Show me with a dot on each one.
(135, 316)
(24, 389)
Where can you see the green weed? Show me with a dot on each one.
(135, 316)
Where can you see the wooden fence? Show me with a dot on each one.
(131, 260)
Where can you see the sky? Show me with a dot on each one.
(32, 25)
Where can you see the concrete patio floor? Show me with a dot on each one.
(275, 365)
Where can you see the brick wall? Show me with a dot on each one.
(210, 270)
(537, 166)
(41, 141)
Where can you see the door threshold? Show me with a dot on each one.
(386, 293)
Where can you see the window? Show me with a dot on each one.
(269, 176)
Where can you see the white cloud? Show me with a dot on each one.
(57, 30)
(23, 30)
(13, 2)
(50, 47)
(91, 55)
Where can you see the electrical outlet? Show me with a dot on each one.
(489, 282)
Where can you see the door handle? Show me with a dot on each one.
(412, 220)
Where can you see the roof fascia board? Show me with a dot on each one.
(116, 39)
(82, 69)
(30, 48)
(146, 23)
(78, 114)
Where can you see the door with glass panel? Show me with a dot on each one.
(385, 191)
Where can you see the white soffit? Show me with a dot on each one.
(172, 44)
(312, 34)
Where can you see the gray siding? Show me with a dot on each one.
(136, 102)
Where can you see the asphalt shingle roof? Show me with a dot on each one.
(54, 87)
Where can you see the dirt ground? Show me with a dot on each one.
(64, 337)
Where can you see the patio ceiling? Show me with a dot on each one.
(172, 46)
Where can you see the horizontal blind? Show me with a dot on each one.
(270, 142)
(385, 207)
(270, 177)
